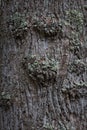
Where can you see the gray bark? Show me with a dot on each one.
(30, 105)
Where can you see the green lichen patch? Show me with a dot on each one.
(75, 44)
(76, 19)
(47, 24)
(74, 41)
(5, 100)
(41, 69)
(76, 85)
(78, 67)
(74, 23)
(76, 91)
(19, 25)
(80, 85)
(48, 127)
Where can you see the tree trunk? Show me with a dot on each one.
(30, 104)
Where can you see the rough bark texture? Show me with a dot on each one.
(30, 105)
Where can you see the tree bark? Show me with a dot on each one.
(29, 105)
